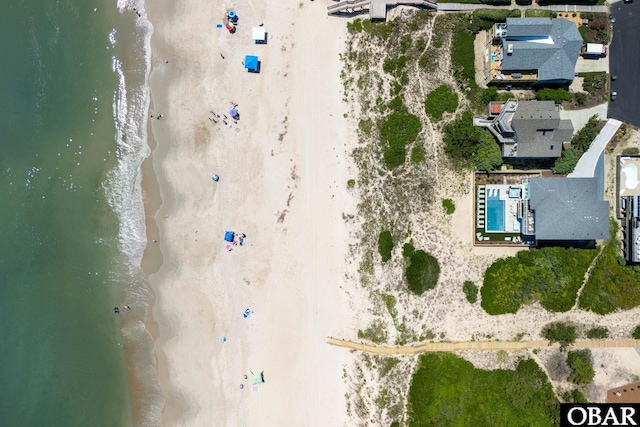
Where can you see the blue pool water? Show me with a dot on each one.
(495, 212)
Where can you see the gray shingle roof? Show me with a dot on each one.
(568, 209)
(539, 130)
(554, 59)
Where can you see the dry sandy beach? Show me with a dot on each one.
(282, 182)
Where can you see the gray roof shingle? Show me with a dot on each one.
(568, 209)
(550, 47)
(539, 130)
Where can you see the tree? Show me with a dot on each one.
(488, 155)
(582, 372)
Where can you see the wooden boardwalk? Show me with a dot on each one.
(475, 345)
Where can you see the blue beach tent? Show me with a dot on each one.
(228, 236)
(252, 63)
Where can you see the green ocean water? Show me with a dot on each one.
(70, 232)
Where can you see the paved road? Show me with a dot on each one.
(456, 7)
(476, 345)
(625, 63)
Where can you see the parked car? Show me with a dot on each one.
(613, 96)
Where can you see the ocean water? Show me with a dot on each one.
(72, 137)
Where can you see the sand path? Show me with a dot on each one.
(476, 345)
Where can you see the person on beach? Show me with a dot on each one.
(222, 56)
(127, 307)
(225, 122)
(116, 310)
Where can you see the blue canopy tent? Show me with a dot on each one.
(252, 63)
(228, 236)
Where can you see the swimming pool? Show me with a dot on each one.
(631, 176)
(495, 212)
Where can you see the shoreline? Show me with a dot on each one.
(281, 183)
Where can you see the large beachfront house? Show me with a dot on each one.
(533, 51)
(569, 209)
(542, 211)
(527, 129)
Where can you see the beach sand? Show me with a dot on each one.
(283, 179)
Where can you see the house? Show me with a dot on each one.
(527, 129)
(569, 209)
(628, 186)
(534, 51)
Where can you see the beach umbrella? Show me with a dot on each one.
(257, 378)
(233, 112)
(251, 62)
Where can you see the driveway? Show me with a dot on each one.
(585, 65)
(624, 61)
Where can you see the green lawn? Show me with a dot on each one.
(446, 390)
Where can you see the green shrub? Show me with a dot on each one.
(447, 390)
(488, 155)
(385, 245)
(582, 140)
(422, 272)
(449, 206)
(581, 97)
(538, 13)
(556, 95)
(631, 151)
(574, 396)
(394, 65)
(469, 144)
(489, 94)
(355, 26)
(483, 19)
(351, 183)
(439, 100)
(582, 372)
(636, 333)
(597, 333)
(611, 286)
(594, 81)
(417, 154)
(398, 129)
(567, 162)
(580, 143)
(408, 250)
(559, 332)
(550, 275)
(470, 291)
